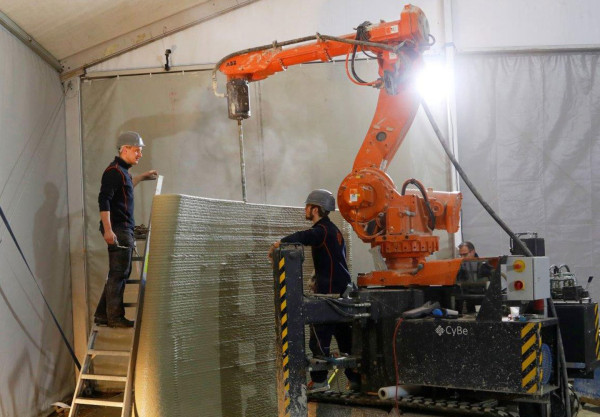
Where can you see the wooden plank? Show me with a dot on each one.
(589, 400)
(102, 403)
(102, 352)
(116, 378)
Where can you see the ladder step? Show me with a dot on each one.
(105, 403)
(108, 352)
(104, 377)
(318, 364)
(133, 281)
(137, 258)
(130, 304)
(97, 329)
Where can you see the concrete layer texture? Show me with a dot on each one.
(207, 341)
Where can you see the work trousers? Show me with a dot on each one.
(110, 305)
(320, 341)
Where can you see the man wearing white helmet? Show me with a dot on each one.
(331, 277)
(115, 201)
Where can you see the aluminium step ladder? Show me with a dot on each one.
(86, 375)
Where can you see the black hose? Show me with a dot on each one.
(564, 266)
(424, 194)
(343, 303)
(354, 74)
(469, 184)
(339, 310)
(361, 35)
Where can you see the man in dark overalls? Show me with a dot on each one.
(331, 277)
(116, 225)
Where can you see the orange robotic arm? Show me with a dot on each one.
(400, 223)
(397, 45)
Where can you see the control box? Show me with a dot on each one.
(527, 278)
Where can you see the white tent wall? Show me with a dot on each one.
(526, 89)
(37, 369)
(487, 25)
(528, 134)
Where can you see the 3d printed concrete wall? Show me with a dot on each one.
(207, 343)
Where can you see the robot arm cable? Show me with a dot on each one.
(358, 81)
(424, 194)
(361, 35)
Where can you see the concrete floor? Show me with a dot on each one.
(588, 410)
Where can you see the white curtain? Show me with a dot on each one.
(37, 369)
(528, 137)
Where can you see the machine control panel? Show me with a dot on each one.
(527, 278)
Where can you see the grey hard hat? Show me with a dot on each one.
(129, 139)
(321, 198)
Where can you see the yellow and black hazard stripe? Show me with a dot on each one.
(597, 330)
(284, 335)
(531, 358)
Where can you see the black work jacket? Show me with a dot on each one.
(116, 195)
(328, 253)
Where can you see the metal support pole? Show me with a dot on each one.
(242, 160)
(451, 106)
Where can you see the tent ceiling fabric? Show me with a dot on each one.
(65, 27)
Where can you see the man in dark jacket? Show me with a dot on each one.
(331, 277)
(115, 201)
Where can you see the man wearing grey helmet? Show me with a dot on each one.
(331, 277)
(115, 201)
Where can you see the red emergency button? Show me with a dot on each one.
(519, 285)
(519, 266)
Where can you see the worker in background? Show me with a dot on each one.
(469, 271)
(467, 250)
(116, 225)
(331, 277)
(473, 277)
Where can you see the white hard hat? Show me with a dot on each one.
(129, 139)
(321, 198)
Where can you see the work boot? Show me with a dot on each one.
(353, 386)
(120, 322)
(100, 321)
(317, 386)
